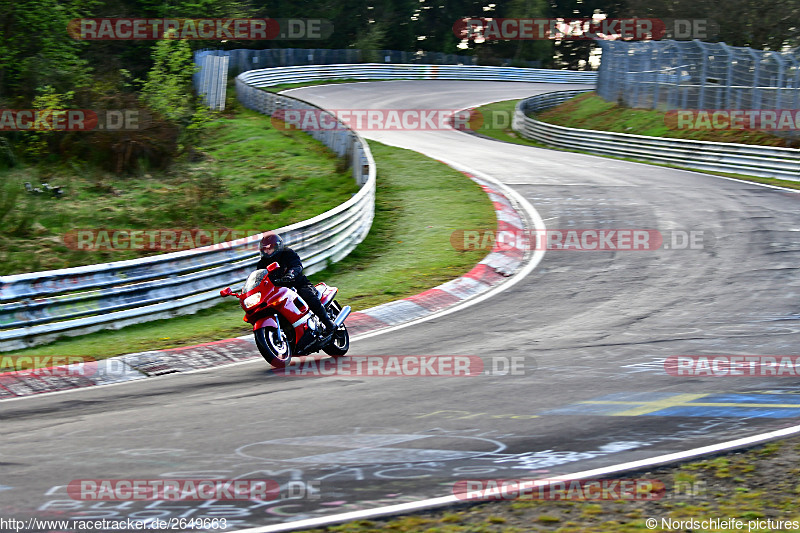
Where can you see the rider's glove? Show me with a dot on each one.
(285, 280)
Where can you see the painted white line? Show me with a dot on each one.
(452, 500)
(691, 171)
(516, 198)
(551, 184)
(586, 474)
(557, 149)
(742, 181)
(532, 263)
(644, 163)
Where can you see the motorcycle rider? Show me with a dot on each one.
(290, 274)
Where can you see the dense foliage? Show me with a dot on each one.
(42, 66)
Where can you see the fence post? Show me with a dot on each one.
(780, 81)
(729, 81)
(701, 98)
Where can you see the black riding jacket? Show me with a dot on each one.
(289, 263)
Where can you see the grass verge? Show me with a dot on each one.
(243, 175)
(591, 112)
(750, 486)
(420, 202)
(497, 126)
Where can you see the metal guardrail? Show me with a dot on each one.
(242, 59)
(41, 306)
(753, 160)
(378, 71)
(38, 307)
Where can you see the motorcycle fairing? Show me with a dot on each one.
(269, 321)
(326, 294)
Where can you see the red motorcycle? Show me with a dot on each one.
(284, 325)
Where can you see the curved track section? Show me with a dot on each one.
(591, 329)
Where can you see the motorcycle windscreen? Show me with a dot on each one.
(254, 279)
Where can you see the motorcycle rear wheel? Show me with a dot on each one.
(340, 342)
(275, 348)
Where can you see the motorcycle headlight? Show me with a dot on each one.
(252, 300)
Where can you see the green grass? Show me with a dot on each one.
(493, 128)
(591, 112)
(420, 202)
(245, 175)
(497, 123)
(770, 494)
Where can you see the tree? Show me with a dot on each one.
(526, 49)
(371, 41)
(168, 89)
(36, 50)
(760, 24)
(574, 54)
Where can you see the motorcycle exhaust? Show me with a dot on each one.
(343, 314)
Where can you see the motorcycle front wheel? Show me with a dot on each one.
(340, 342)
(274, 347)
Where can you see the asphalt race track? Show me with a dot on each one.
(593, 329)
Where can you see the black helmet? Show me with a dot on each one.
(271, 245)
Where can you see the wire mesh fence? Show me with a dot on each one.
(210, 79)
(668, 75)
